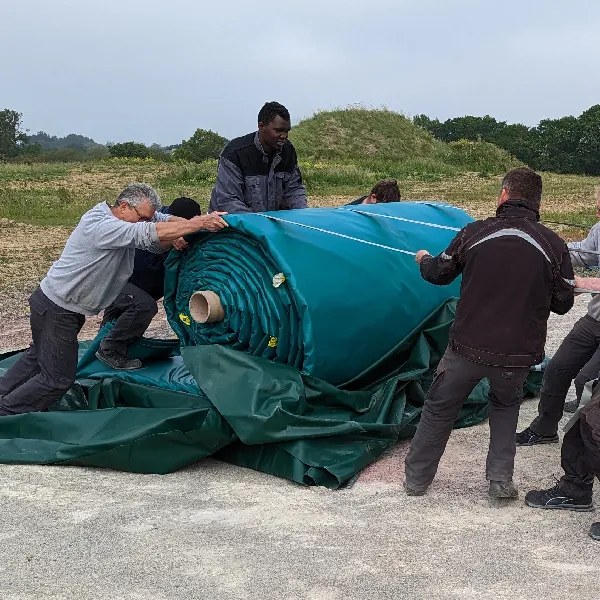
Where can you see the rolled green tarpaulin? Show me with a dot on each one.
(329, 291)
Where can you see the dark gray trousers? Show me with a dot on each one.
(576, 352)
(455, 379)
(590, 371)
(580, 460)
(133, 310)
(46, 370)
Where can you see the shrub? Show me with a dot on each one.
(203, 145)
(129, 150)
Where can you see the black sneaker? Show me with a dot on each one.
(530, 438)
(118, 361)
(571, 406)
(595, 531)
(503, 489)
(556, 498)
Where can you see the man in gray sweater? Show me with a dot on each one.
(576, 351)
(94, 266)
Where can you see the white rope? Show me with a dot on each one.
(342, 235)
(354, 239)
(377, 215)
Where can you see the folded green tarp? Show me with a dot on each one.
(154, 422)
(246, 410)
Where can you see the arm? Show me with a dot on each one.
(179, 243)
(563, 286)
(114, 233)
(294, 193)
(173, 229)
(445, 268)
(591, 242)
(228, 193)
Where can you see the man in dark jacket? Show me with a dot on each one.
(580, 460)
(135, 307)
(385, 190)
(259, 171)
(515, 271)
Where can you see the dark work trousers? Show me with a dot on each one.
(133, 310)
(580, 460)
(46, 370)
(455, 379)
(575, 352)
(590, 371)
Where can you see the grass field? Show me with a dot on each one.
(342, 154)
(58, 194)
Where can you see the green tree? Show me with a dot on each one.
(129, 150)
(475, 129)
(558, 145)
(12, 135)
(589, 141)
(434, 126)
(201, 146)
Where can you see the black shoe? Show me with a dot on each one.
(595, 531)
(118, 361)
(503, 489)
(530, 438)
(410, 491)
(571, 406)
(556, 498)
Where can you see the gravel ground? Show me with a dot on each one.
(215, 531)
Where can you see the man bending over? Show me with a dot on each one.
(94, 266)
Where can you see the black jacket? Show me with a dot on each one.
(250, 181)
(149, 270)
(515, 271)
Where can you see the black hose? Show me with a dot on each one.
(568, 224)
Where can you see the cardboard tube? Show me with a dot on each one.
(206, 307)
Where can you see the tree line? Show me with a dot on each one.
(17, 145)
(565, 145)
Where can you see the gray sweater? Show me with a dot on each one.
(98, 260)
(580, 259)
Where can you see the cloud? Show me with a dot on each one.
(154, 71)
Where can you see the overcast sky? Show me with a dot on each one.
(155, 70)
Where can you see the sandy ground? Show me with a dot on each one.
(215, 531)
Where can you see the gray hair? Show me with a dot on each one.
(135, 193)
